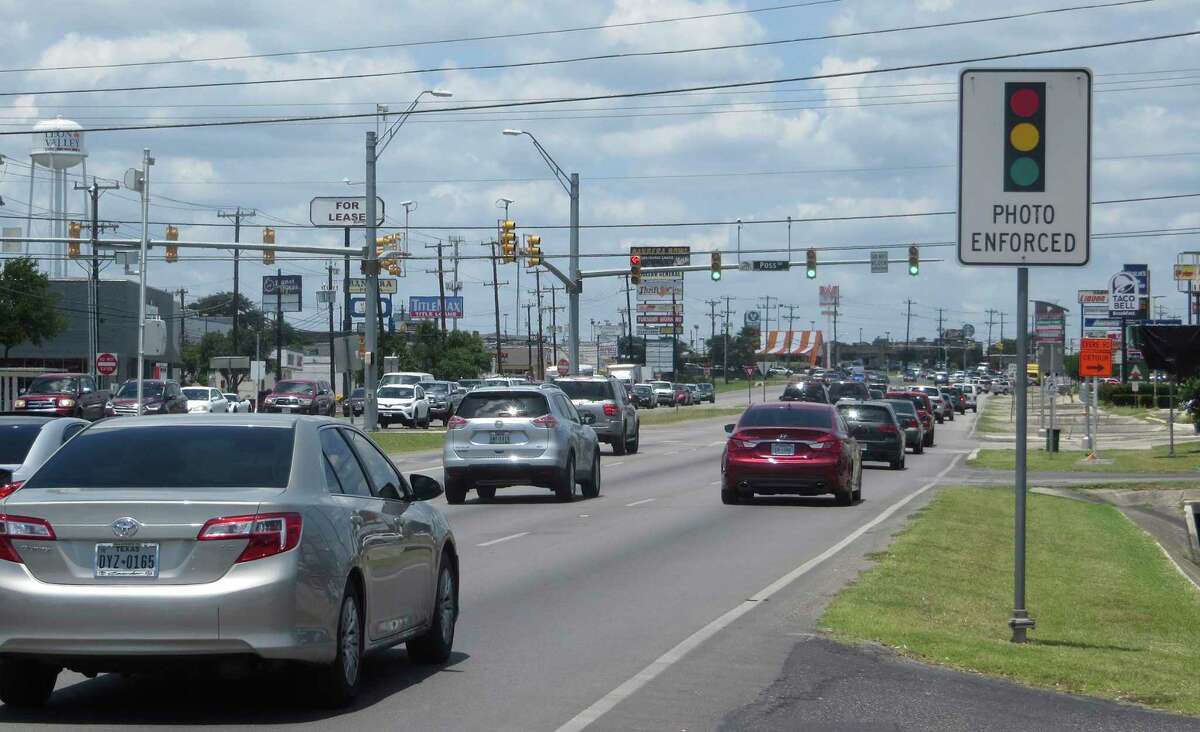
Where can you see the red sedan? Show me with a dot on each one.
(794, 448)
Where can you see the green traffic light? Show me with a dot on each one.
(811, 274)
(914, 270)
(716, 275)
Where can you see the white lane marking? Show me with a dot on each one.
(716, 443)
(693, 641)
(504, 538)
(715, 482)
(638, 503)
(426, 469)
(613, 465)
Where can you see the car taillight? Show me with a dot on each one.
(7, 489)
(546, 420)
(738, 442)
(21, 527)
(268, 533)
(889, 429)
(827, 442)
(456, 423)
(610, 410)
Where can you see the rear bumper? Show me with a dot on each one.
(258, 608)
(500, 475)
(812, 479)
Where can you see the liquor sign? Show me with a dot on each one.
(1189, 272)
(1093, 297)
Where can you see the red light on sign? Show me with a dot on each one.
(1025, 103)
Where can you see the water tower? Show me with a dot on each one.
(57, 147)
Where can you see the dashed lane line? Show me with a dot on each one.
(510, 537)
(638, 503)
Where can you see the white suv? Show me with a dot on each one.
(971, 392)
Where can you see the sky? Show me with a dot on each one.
(851, 146)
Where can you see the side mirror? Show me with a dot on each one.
(424, 488)
(729, 428)
(587, 418)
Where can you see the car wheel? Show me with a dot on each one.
(456, 492)
(619, 445)
(486, 493)
(730, 497)
(425, 424)
(844, 498)
(591, 484)
(338, 682)
(383, 424)
(857, 494)
(929, 439)
(974, 409)
(898, 463)
(564, 490)
(435, 644)
(637, 442)
(920, 448)
(26, 683)
(940, 420)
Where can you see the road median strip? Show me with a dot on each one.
(1153, 460)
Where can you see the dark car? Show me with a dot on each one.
(924, 409)
(354, 405)
(792, 448)
(158, 397)
(856, 390)
(683, 395)
(957, 398)
(300, 396)
(27, 441)
(643, 396)
(443, 397)
(65, 395)
(914, 431)
(806, 391)
(877, 429)
(706, 393)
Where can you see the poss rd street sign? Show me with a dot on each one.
(765, 265)
(1095, 358)
(1024, 167)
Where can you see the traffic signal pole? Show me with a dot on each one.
(576, 283)
(1020, 622)
(371, 272)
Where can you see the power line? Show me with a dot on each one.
(410, 44)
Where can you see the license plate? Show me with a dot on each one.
(783, 448)
(285, 410)
(386, 414)
(133, 559)
(500, 438)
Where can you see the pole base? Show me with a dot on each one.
(1021, 623)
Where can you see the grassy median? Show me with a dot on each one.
(408, 441)
(1114, 618)
(1154, 460)
(670, 415)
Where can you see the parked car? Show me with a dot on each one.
(404, 377)
(806, 391)
(877, 428)
(356, 403)
(205, 400)
(405, 404)
(910, 422)
(664, 392)
(443, 397)
(314, 547)
(237, 402)
(796, 448)
(706, 393)
(853, 390)
(643, 396)
(65, 395)
(520, 435)
(25, 443)
(158, 397)
(616, 419)
(683, 395)
(302, 396)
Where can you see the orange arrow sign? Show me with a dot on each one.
(1095, 357)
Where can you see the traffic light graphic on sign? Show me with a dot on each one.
(1025, 137)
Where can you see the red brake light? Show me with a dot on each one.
(456, 423)
(889, 429)
(21, 527)
(8, 488)
(546, 420)
(268, 533)
(610, 409)
(825, 442)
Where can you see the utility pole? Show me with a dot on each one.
(347, 326)
(529, 339)
(990, 313)
(725, 350)
(182, 323)
(496, 297)
(332, 370)
(279, 327)
(629, 330)
(833, 348)
(767, 310)
(674, 341)
(940, 341)
(791, 315)
(441, 283)
(907, 333)
(455, 283)
(237, 216)
(712, 321)
(537, 292)
(554, 308)
(94, 190)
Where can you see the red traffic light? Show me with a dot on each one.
(635, 259)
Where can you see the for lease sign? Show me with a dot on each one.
(342, 212)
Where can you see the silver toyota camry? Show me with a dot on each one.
(245, 539)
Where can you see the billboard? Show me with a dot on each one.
(421, 307)
(831, 295)
(1049, 323)
(282, 293)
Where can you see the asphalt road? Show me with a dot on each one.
(576, 613)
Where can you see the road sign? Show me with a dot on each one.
(564, 367)
(749, 371)
(358, 307)
(1135, 374)
(427, 306)
(1095, 358)
(282, 292)
(879, 262)
(1123, 298)
(342, 211)
(387, 286)
(106, 364)
(1024, 167)
(751, 318)
(968, 330)
(766, 265)
(1187, 272)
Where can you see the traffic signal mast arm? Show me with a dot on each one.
(585, 274)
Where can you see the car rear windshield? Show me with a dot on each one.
(901, 406)
(477, 405)
(639, 389)
(852, 391)
(591, 391)
(15, 441)
(196, 394)
(149, 390)
(293, 387)
(171, 456)
(396, 392)
(865, 413)
(781, 417)
(401, 379)
(435, 387)
(52, 385)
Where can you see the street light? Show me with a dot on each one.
(570, 183)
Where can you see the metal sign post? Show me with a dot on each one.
(1024, 199)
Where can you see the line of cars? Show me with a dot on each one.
(655, 394)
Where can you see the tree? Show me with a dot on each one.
(256, 331)
(742, 348)
(459, 355)
(28, 310)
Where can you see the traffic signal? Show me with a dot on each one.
(74, 229)
(635, 269)
(914, 261)
(715, 267)
(1025, 137)
(810, 268)
(508, 240)
(172, 250)
(268, 238)
(533, 250)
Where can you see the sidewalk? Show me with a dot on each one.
(1113, 430)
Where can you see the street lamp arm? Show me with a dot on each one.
(391, 131)
(563, 179)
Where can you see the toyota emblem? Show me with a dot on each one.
(499, 424)
(125, 527)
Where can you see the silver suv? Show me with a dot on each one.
(616, 418)
(520, 435)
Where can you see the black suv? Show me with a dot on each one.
(849, 390)
(806, 391)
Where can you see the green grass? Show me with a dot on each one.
(993, 420)
(666, 415)
(1114, 619)
(409, 441)
(740, 385)
(1154, 460)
